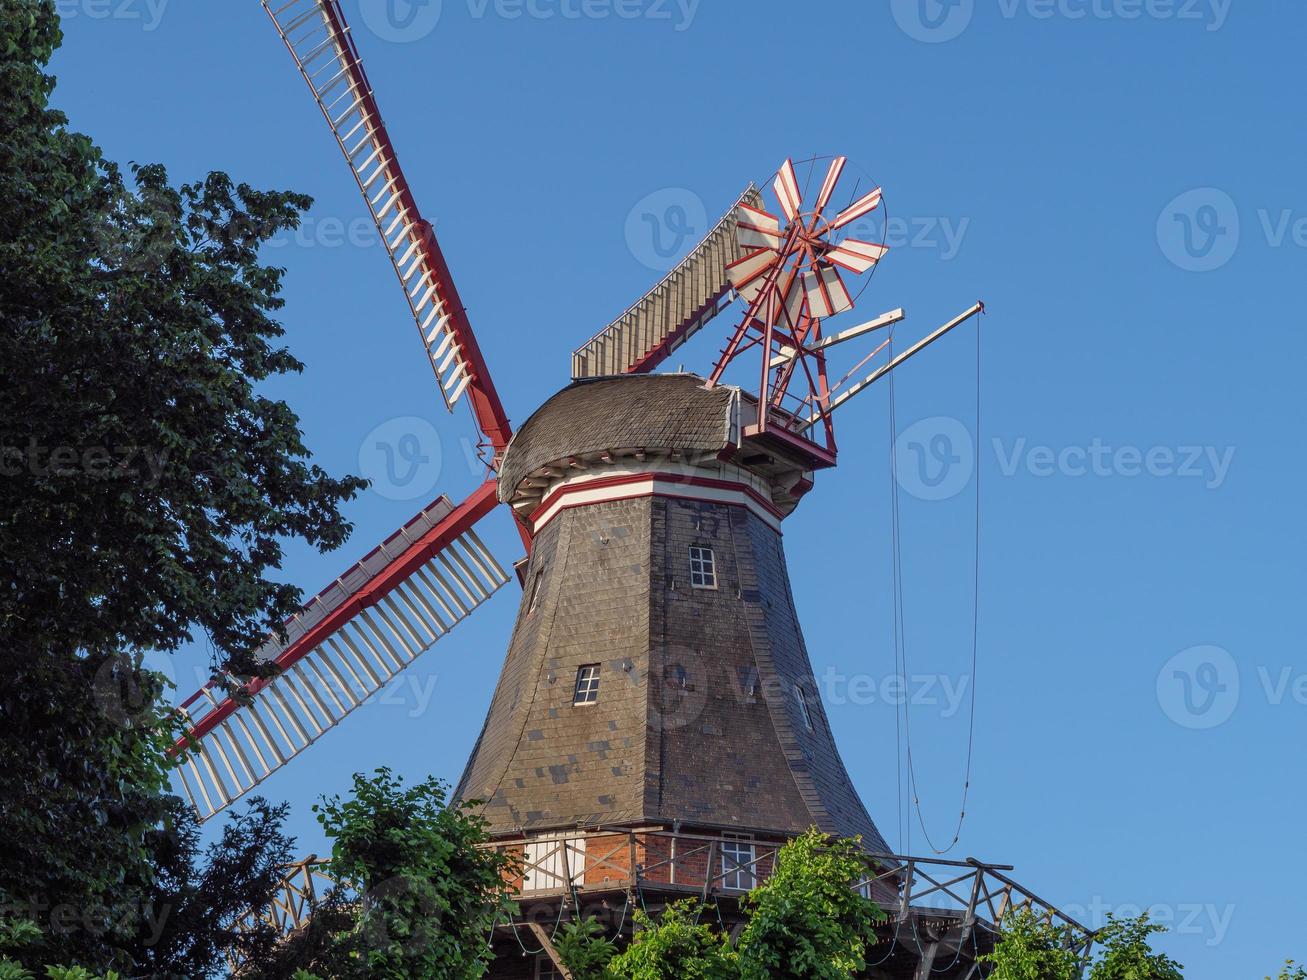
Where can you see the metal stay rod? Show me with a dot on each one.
(885, 369)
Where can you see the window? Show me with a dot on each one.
(801, 696)
(545, 969)
(737, 865)
(749, 683)
(587, 684)
(703, 570)
(546, 859)
(535, 591)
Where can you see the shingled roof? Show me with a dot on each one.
(652, 411)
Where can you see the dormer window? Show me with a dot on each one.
(535, 591)
(801, 696)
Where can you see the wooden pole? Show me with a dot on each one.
(547, 945)
(916, 348)
(885, 320)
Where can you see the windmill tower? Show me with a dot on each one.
(657, 673)
(656, 730)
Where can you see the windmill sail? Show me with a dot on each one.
(341, 648)
(318, 39)
(666, 316)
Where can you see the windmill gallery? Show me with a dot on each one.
(656, 730)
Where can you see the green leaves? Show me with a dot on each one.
(147, 486)
(1033, 949)
(424, 895)
(677, 947)
(807, 920)
(1127, 954)
(585, 949)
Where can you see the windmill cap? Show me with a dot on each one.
(622, 414)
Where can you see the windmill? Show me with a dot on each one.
(657, 681)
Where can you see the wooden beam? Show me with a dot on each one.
(547, 945)
(885, 369)
(926, 965)
(884, 320)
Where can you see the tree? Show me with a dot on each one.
(420, 893)
(1291, 971)
(585, 949)
(146, 487)
(677, 947)
(807, 920)
(147, 482)
(1127, 954)
(197, 905)
(189, 924)
(1030, 948)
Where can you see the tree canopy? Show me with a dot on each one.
(806, 920)
(1032, 948)
(419, 893)
(147, 485)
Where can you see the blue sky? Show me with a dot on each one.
(1120, 180)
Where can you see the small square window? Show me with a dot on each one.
(545, 969)
(703, 569)
(587, 684)
(801, 696)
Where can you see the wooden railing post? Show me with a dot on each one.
(712, 863)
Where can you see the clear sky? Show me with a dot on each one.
(1120, 180)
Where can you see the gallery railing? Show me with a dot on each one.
(959, 898)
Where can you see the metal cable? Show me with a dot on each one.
(900, 642)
